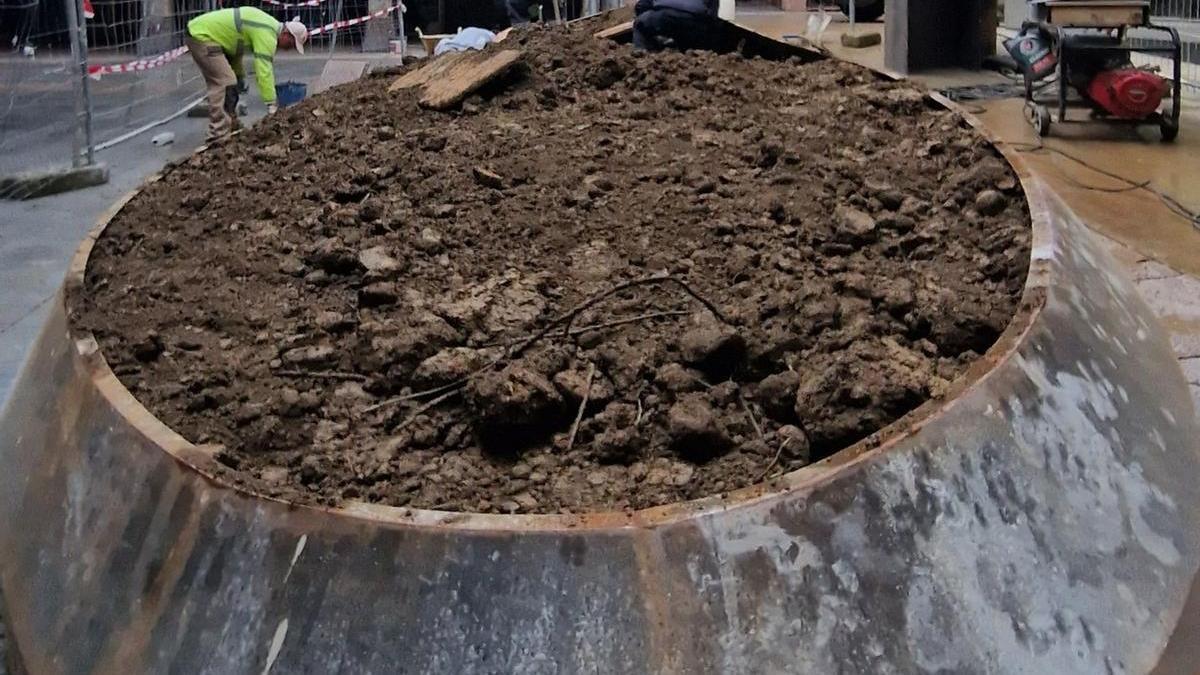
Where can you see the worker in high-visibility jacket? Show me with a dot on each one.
(217, 41)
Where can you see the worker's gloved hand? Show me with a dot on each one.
(242, 86)
(272, 108)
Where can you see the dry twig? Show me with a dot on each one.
(322, 375)
(561, 320)
(598, 326)
(774, 461)
(750, 413)
(587, 393)
(425, 408)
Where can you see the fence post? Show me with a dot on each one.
(84, 145)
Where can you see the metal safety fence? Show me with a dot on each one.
(1184, 17)
(77, 76)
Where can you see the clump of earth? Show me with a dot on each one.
(613, 280)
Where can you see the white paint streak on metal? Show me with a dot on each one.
(295, 556)
(276, 645)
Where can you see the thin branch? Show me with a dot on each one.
(750, 413)
(424, 409)
(331, 375)
(774, 461)
(630, 319)
(597, 326)
(587, 393)
(416, 394)
(566, 317)
(643, 281)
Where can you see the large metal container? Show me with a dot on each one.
(1042, 519)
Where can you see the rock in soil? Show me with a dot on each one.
(863, 246)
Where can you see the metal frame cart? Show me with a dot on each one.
(1113, 17)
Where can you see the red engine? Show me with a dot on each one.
(1128, 93)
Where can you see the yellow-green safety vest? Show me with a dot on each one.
(235, 28)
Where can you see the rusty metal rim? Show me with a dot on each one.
(195, 458)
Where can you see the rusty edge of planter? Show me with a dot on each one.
(200, 458)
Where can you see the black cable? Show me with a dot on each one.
(1170, 202)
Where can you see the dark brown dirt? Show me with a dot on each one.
(289, 294)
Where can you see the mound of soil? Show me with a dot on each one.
(613, 281)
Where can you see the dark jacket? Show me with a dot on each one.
(708, 7)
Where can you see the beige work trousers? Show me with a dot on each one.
(218, 74)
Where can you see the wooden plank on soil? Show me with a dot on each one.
(467, 76)
(432, 69)
(617, 32)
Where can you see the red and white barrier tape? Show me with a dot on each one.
(354, 22)
(98, 71)
(140, 64)
(285, 5)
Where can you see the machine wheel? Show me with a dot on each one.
(1041, 120)
(864, 10)
(1167, 126)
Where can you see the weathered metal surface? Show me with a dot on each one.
(1046, 519)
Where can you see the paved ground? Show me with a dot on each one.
(38, 237)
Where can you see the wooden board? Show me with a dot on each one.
(432, 69)
(466, 76)
(617, 32)
(1098, 15)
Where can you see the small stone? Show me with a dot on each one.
(331, 256)
(433, 144)
(149, 348)
(385, 133)
(509, 506)
(574, 386)
(526, 501)
(777, 394)
(378, 294)
(487, 178)
(275, 475)
(377, 261)
(288, 402)
(314, 355)
(424, 436)
(854, 225)
(990, 202)
(638, 470)
(657, 476)
(310, 470)
(335, 322)
(695, 430)
(715, 349)
(681, 473)
(537, 477)
(674, 377)
(520, 470)
(309, 401)
(430, 241)
(448, 365)
(597, 478)
(891, 199)
(795, 443)
(273, 151)
(248, 412)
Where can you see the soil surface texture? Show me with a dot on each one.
(612, 280)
